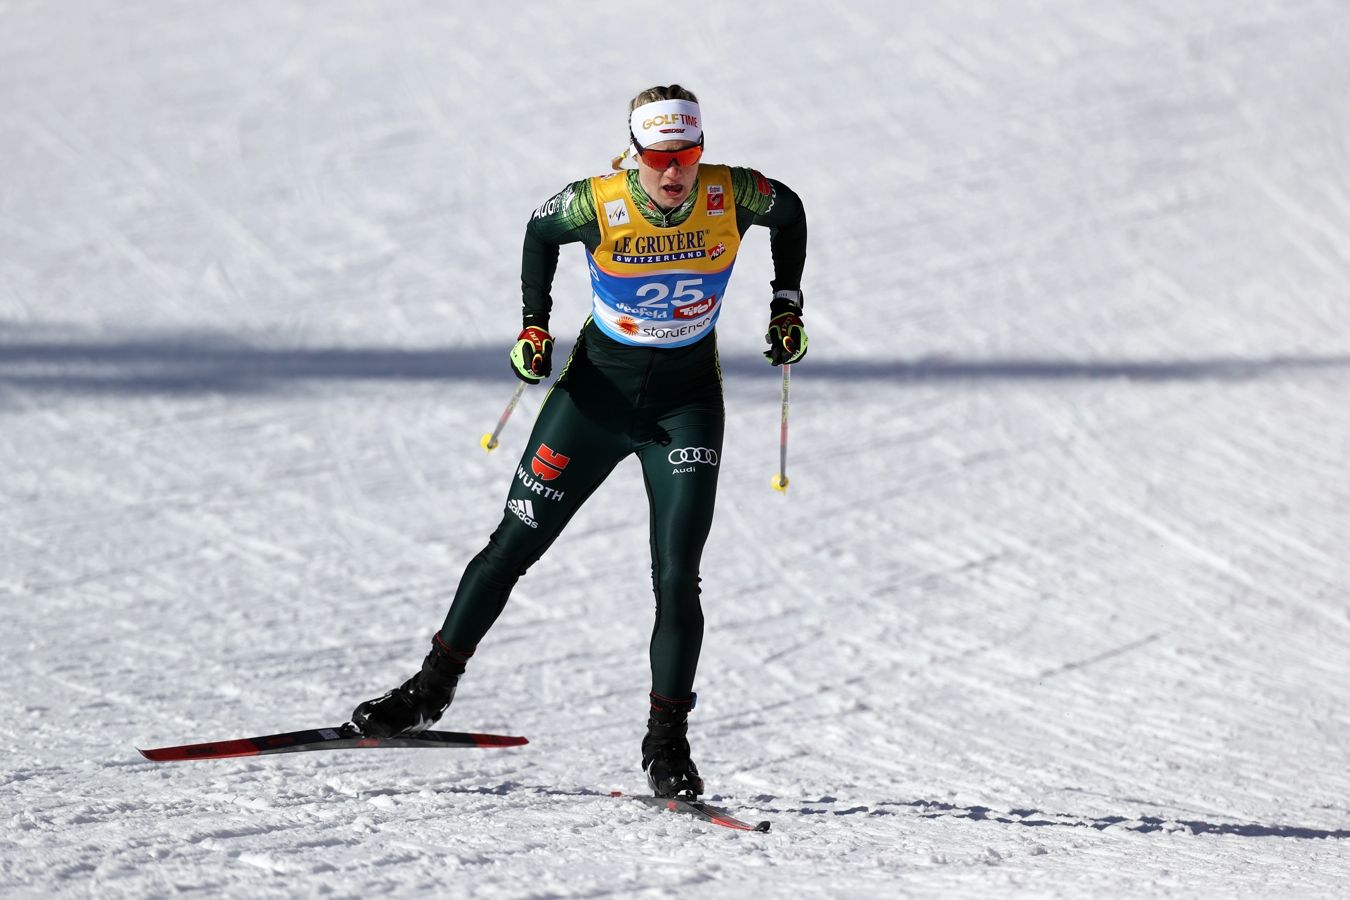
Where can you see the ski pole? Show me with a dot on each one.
(780, 481)
(489, 441)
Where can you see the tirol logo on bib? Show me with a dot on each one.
(715, 200)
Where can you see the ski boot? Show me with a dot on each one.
(416, 704)
(665, 750)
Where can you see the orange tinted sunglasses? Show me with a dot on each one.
(661, 159)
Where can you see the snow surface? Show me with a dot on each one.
(1056, 603)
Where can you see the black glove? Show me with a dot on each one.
(786, 335)
(532, 356)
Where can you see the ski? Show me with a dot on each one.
(698, 809)
(343, 737)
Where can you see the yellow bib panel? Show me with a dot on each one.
(662, 287)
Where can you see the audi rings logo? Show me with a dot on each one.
(688, 455)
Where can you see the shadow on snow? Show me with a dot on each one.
(931, 809)
(207, 363)
(1031, 818)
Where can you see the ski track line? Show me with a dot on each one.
(1336, 239)
(59, 133)
(1100, 657)
(1193, 548)
(259, 553)
(62, 142)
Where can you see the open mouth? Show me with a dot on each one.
(672, 190)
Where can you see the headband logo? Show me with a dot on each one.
(670, 119)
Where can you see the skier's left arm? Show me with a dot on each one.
(768, 202)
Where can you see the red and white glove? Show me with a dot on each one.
(532, 356)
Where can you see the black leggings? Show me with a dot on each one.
(665, 405)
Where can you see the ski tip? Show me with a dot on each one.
(761, 827)
(158, 754)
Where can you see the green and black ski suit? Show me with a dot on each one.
(614, 397)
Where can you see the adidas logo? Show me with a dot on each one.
(524, 511)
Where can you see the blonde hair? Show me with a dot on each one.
(661, 92)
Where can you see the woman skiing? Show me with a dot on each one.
(661, 233)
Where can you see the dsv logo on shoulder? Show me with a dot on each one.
(690, 457)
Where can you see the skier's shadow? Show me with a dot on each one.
(1031, 818)
(933, 809)
(508, 788)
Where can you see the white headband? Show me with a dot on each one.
(666, 120)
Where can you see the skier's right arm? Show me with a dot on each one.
(569, 216)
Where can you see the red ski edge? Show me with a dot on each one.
(221, 750)
(698, 809)
(344, 737)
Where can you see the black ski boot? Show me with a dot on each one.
(665, 750)
(416, 704)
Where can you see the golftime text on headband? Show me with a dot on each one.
(666, 120)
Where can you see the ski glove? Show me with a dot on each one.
(532, 356)
(787, 335)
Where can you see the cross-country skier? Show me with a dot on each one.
(661, 233)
